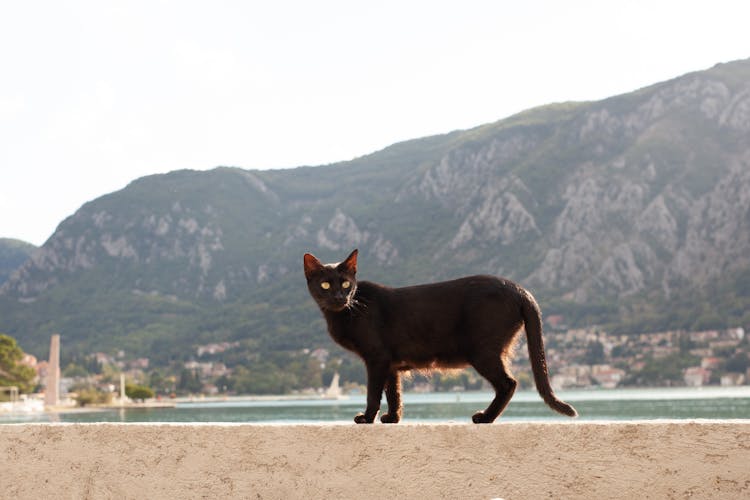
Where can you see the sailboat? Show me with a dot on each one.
(334, 390)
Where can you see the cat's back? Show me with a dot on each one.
(465, 287)
(476, 283)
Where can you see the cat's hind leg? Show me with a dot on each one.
(393, 396)
(494, 370)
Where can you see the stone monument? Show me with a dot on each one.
(52, 389)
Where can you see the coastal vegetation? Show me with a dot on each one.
(13, 371)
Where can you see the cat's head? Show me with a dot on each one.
(331, 285)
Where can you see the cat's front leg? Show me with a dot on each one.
(393, 397)
(361, 418)
(376, 376)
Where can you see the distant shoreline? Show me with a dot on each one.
(251, 397)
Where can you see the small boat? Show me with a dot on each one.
(334, 390)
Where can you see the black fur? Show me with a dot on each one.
(469, 321)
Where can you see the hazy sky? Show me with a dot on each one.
(96, 94)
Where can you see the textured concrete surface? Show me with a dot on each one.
(657, 459)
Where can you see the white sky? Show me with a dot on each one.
(96, 94)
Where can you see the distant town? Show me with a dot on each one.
(577, 359)
(581, 358)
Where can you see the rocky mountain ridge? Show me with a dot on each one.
(636, 200)
(13, 253)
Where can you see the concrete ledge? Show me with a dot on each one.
(672, 459)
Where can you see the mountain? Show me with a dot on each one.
(632, 212)
(13, 253)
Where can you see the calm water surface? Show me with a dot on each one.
(617, 404)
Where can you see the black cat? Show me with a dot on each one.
(469, 321)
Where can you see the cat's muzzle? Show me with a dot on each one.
(338, 304)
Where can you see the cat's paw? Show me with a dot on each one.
(360, 418)
(480, 418)
(390, 418)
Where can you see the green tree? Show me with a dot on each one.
(738, 363)
(74, 370)
(138, 392)
(86, 395)
(662, 371)
(264, 378)
(160, 383)
(189, 381)
(594, 353)
(12, 372)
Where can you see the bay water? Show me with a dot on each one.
(454, 407)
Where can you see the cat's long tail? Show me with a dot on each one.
(533, 323)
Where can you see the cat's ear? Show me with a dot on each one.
(349, 265)
(312, 264)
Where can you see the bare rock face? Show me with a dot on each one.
(139, 245)
(717, 233)
(342, 235)
(658, 197)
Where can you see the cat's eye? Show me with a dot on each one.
(346, 284)
(325, 285)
